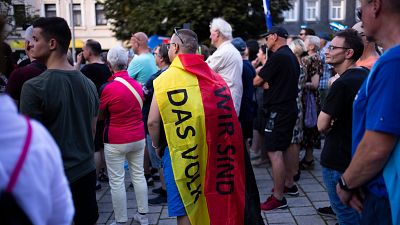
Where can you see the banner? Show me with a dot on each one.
(206, 145)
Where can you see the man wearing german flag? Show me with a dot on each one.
(208, 174)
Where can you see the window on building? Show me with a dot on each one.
(19, 15)
(311, 10)
(100, 15)
(77, 14)
(50, 10)
(337, 9)
(292, 14)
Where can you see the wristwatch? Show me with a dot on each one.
(343, 185)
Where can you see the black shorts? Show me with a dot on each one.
(279, 130)
(98, 138)
(84, 197)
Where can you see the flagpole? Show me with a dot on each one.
(267, 13)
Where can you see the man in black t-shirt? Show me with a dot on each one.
(98, 72)
(279, 78)
(336, 116)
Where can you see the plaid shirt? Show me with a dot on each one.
(327, 69)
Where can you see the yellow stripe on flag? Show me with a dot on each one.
(178, 96)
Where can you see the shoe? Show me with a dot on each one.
(292, 191)
(149, 180)
(326, 211)
(254, 155)
(155, 177)
(157, 190)
(259, 162)
(297, 176)
(103, 177)
(306, 165)
(158, 200)
(273, 203)
(98, 186)
(142, 219)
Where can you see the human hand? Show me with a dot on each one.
(266, 85)
(344, 196)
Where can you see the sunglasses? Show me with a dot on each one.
(176, 33)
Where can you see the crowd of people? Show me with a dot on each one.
(197, 119)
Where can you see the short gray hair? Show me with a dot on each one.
(29, 34)
(190, 41)
(222, 26)
(117, 57)
(314, 40)
(297, 46)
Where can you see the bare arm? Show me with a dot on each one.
(314, 82)
(258, 81)
(324, 122)
(153, 124)
(94, 123)
(372, 153)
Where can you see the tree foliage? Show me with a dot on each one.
(161, 16)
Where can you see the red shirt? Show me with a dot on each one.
(123, 113)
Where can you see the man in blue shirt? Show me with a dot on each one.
(143, 64)
(376, 125)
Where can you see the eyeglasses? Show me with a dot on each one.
(332, 47)
(176, 33)
(156, 54)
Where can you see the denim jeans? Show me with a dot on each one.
(115, 155)
(344, 214)
(376, 210)
(155, 161)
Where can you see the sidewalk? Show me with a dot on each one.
(302, 209)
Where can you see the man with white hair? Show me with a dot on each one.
(226, 60)
(23, 73)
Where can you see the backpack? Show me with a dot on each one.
(11, 212)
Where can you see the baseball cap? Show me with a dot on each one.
(280, 31)
(239, 44)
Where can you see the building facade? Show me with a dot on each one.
(88, 19)
(318, 14)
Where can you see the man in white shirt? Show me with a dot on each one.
(226, 60)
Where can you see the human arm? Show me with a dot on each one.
(79, 59)
(153, 124)
(324, 122)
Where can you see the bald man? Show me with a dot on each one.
(143, 64)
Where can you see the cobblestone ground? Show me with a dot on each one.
(302, 209)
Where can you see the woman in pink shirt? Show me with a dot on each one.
(121, 102)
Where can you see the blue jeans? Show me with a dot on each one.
(155, 161)
(376, 210)
(344, 214)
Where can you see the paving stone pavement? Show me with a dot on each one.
(301, 211)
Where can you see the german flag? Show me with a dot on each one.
(211, 168)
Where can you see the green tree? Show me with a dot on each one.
(161, 16)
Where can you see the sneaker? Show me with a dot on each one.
(149, 180)
(292, 191)
(306, 165)
(326, 211)
(297, 176)
(160, 200)
(273, 203)
(142, 219)
(103, 177)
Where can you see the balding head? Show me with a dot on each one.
(139, 43)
